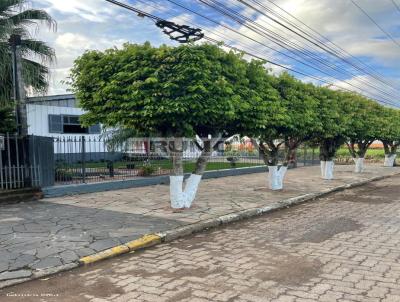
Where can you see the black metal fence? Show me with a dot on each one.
(82, 159)
(36, 161)
(18, 166)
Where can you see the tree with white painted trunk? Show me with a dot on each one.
(330, 130)
(363, 126)
(390, 135)
(290, 118)
(190, 91)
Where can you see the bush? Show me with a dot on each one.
(130, 166)
(146, 170)
(63, 175)
(233, 160)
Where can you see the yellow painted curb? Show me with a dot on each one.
(145, 241)
(114, 251)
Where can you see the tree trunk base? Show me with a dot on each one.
(389, 160)
(359, 168)
(183, 198)
(276, 177)
(327, 169)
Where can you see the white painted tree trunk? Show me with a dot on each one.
(323, 167)
(327, 169)
(183, 198)
(389, 160)
(359, 164)
(175, 192)
(192, 185)
(276, 177)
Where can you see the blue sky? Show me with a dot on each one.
(96, 24)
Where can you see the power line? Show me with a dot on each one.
(376, 23)
(313, 34)
(215, 22)
(396, 5)
(263, 44)
(340, 54)
(350, 84)
(282, 42)
(139, 12)
(176, 32)
(288, 68)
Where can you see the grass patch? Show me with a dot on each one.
(371, 153)
(163, 164)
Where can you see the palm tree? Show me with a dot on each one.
(7, 120)
(16, 18)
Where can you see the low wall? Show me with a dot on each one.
(58, 191)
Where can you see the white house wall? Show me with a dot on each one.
(38, 124)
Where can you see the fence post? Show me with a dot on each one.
(313, 156)
(83, 159)
(2, 147)
(305, 156)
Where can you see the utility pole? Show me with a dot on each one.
(18, 85)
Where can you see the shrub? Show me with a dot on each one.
(63, 175)
(233, 160)
(146, 170)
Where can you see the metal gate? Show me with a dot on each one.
(16, 169)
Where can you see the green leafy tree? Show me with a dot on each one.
(185, 91)
(390, 134)
(363, 125)
(290, 115)
(330, 131)
(17, 18)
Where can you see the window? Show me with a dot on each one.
(55, 124)
(70, 124)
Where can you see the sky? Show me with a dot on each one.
(96, 24)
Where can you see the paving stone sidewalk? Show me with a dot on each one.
(39, 238)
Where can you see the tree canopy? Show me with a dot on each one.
(201, 89)
(181, 91)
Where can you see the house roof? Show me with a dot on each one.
(50, 98)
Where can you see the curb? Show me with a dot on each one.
(142, 242)
(170, 235)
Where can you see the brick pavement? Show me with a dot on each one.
(38, 238)
(344, 247)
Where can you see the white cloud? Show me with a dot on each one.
(80, 43)
(90, 10)
(86, 25)
(344, 24)
(361, 84)
(89, 24)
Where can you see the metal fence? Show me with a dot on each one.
(82, 159)
(17, 165)
(35, 161)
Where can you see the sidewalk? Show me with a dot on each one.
(40, 238)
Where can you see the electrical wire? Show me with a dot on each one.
(396, 5)
(376, 23)
(284, 43)
(263, 58)
(138, 11)
(320, 38)
(258, 42)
